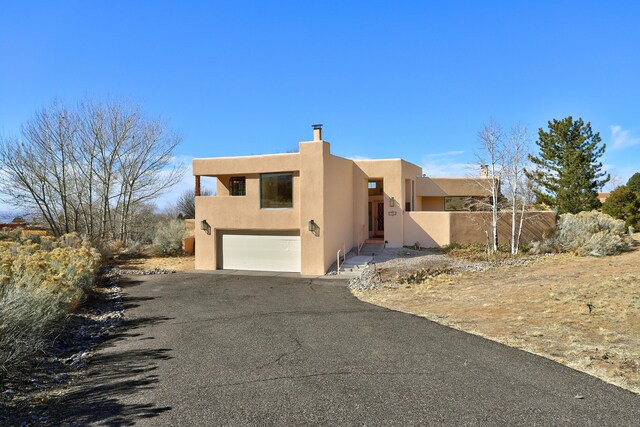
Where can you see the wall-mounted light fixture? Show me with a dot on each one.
(204, 226)
(392, 202)
(314, 228)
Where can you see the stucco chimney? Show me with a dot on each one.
(317, 132)
(484, 171)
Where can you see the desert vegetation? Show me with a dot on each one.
(624, 202)
(94, 168)
(565, 174)
(42, 280)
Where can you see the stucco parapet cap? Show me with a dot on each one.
(457, 178)
(252, 156)
(381, 160)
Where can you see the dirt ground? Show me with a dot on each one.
(178, 263)
(583, 312)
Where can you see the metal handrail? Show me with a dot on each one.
(344, 257)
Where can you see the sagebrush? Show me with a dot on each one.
(41, 281)
(168, 238)
(587, 234)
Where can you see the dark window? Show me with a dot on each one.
(238, 186)
(457, 203)
(276, 190)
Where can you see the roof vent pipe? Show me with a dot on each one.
(317, 132)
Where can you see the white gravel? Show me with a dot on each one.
(395, 262)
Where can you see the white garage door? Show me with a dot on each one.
(260, 252)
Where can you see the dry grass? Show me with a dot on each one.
(543, 308)
(143, 262)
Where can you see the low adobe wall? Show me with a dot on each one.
(430, 229)
(436, 229)
(190, 226)
(469, 227)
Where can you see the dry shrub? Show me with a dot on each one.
(422, 275)
(7, 234)
(28, 321)
(40, 283)
(168, 238)
(587, 234)
(476, 252)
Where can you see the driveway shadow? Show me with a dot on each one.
(105, 395)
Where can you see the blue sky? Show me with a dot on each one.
(387, 78)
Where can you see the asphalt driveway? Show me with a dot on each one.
(214, 349)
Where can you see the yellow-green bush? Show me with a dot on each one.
(40, 283)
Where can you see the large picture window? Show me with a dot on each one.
(276, 190)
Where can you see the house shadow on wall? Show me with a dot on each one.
(115, 379)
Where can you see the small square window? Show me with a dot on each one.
(373, 184)
(237, 186)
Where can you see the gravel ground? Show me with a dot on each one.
(393, 264)
(124, 271)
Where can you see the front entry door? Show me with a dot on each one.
(378, 218)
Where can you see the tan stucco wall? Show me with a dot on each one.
(360, 204)
(393, 173)
(434, 229)
(338, 207)
(325, 191)
(224, 212)
(432, 203)
(312, 155)
(469, 227)
(189, 226)
(433, 187)
(430, 229)
(333, 192)
(246, 164)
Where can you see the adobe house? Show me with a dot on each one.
(295, 211)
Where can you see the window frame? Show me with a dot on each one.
(272, 174)
(243, 179)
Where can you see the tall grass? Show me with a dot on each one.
(42, 280)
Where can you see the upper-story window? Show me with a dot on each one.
(238, 186)
(457, 203)
(276, 190)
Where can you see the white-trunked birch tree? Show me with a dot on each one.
(491, 158)
(89, 169)
(518, 188)
(503, 159)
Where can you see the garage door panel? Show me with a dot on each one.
(260, 252)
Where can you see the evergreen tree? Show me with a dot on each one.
(568, 173)
(623, 203)
(634, 182)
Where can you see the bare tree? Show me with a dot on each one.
(516, 152)
(87, 169)
(186, 203)
(491, 158)
(616, 180)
